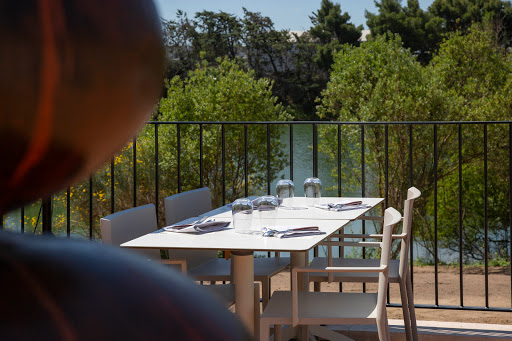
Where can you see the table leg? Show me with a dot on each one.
(243, 278)
(299, 259)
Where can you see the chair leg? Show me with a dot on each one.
(264, 330)
(405, 309)
(382, 326)
(277, 332)
(265, 292)
(412, 312)
(256, 311)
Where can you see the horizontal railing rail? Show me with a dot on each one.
(334, 145)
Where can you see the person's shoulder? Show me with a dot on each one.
(61, 287)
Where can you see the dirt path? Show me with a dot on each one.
(448, 290)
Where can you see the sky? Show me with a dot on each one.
(286, 14)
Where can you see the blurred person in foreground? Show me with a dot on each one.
(78, 78)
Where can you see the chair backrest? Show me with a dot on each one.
(412, 194)
(391, 218)
(129, 224)
(184, 205)
(188, 204)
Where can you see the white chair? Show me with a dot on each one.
(324, 308)
(398, 269)
(205, 265)
(129, 224)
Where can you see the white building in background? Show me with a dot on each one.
(364, 35)
(292, 34)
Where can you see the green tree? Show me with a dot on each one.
(224, 92)
(474, 73)
(461, 14)
(332, 29)
(420, 31)
(382, 81)
(217, 35)
(178, 37)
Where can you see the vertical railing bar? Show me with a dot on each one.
(268, 159)
(90, 209)
(315, 150)
(386, 166)
(363, 189)
(436, 263)
(246, 162)
(223, 135)
(112, 185)
(22, 220)
(157, 174)
(411, 183)
(201, 164)
(291, 151)
(341, 250)
(178, 156)
(315, 167)
(339, 160)
(486, 230)
(411, 171)
(68, 212)
(386, 178)
(268, 167)
(510, 199)
(461, 268)
(135, 171)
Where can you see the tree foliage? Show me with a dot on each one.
(381, 81)
(474, 71)
(223, 92)
(332, 29)
(286, 59)
(419, 30)
(422, 31)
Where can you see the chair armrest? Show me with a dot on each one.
(381, 268)
(296, 270)
(181, 262)
(367, 217)
(360, 244)
(374, 236)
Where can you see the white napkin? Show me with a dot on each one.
(292, 231)
(209, 226)
(344, 205)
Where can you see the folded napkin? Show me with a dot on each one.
(291, 231)
(209, 226)
(344, 205)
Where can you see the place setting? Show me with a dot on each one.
(259, 217)
(203, 225)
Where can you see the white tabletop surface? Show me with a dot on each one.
(229, 240)
(306, 212)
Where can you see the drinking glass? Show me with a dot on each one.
(242, 215)
(312, 191)
(285, 191)
(267, 209)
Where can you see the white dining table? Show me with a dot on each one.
(243, 246)
(299, 209)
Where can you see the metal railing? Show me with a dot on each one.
(289, 127)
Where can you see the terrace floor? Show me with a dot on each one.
(438, 324)
(432, 331)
